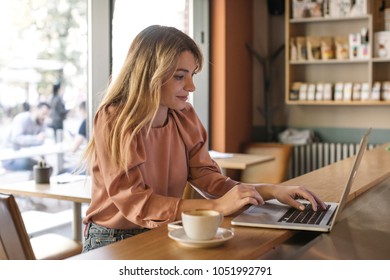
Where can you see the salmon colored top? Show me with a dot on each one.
(160, 164)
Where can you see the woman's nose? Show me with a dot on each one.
(190, 85)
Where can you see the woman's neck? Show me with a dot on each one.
(161, 117)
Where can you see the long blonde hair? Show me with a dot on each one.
(151, 61)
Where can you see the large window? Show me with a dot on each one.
(131, 16)
(42, 43)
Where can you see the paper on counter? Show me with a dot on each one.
(215, 154)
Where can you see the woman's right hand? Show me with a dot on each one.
(238, 197)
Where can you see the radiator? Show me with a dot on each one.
(309, 157)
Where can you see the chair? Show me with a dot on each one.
(274, 171)
(15, 243)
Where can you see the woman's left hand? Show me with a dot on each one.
(290, 194)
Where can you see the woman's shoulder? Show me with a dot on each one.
(187, 113)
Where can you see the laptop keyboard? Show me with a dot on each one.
(307, 216)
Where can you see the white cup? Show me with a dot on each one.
(201, 224)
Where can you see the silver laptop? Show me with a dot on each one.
(274, 214)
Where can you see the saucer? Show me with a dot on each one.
(222, 236)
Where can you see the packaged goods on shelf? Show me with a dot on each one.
(382, 44)
(338, 91)
(303, 92)
(319, 91)
(301, 48)
(294, 91)
(347, 92)
(356, 91)
(307, 8)
(386, 90)
(293, 49)
(359, 47)
(313, 45)
(311, 92)
(328, 91)
(365, 94)
(341, 47)
(345, 8)
(376, 91)
(327, 49)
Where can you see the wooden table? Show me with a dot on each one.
(253, 243)
(78, 192)
(240, 161)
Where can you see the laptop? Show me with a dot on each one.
(274, 214)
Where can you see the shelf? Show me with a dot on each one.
(332, 61)
(380, 59)
(340, 103)
(366, 70)
(329, 19)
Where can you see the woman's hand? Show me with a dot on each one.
(238, 197)
(289, 194)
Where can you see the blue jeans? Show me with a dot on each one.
(98, 236)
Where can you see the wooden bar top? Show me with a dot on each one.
(252, 243)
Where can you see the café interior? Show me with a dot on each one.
(257, 133)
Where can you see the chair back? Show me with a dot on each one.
(274, 171)
(14, 240)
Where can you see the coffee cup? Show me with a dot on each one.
(201, 224)
(42, 173)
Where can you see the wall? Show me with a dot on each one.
(231, 75)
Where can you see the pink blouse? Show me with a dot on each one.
(160, 164)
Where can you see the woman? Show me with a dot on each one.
(148, 142)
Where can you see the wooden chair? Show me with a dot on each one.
(275, 171)
(15, 243)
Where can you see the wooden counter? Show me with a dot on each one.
(253, 243)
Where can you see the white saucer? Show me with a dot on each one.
(222, 236)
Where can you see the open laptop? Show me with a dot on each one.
(274, 214)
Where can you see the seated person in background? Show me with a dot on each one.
(27, 130)
(79, 139)
(81, 136)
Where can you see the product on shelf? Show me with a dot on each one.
(313, 45)
(347, 92)
(294, 92)
(356, 91)
(376, 91)
(301, 48)
(311, 92)
(319, 91)
(305, 8)
(327, 49)
(342, 47)
(328, 91)
(382, 44)
(386, 91)
(365, 92)
(338, 91)
(303, 91)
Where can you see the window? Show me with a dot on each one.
(191, 17)
(43, 43)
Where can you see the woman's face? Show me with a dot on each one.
(174, 93)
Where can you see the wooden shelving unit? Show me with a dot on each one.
(367, 70)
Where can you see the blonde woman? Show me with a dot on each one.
(148, 142)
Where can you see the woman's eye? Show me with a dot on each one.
(179, 77)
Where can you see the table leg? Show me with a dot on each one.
(77, 221)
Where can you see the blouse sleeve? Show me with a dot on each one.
(134, 200)
(204, 172)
